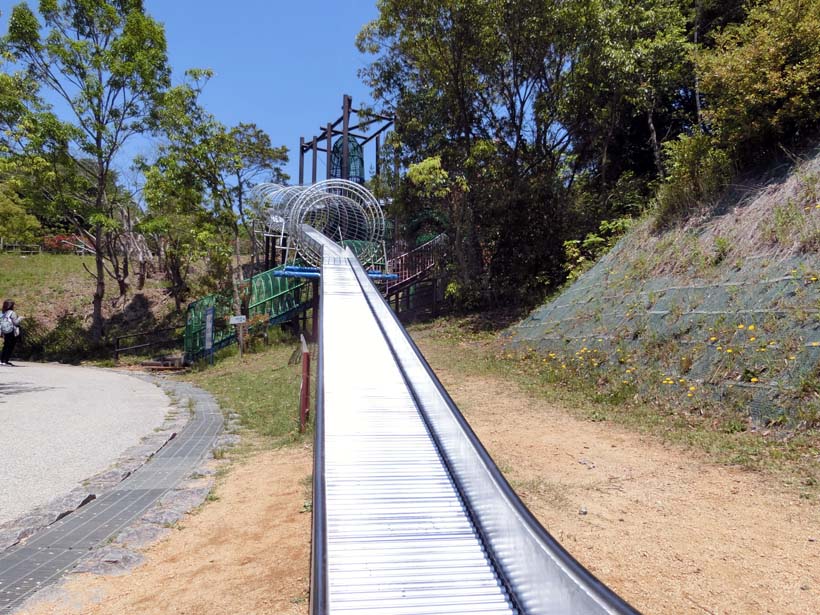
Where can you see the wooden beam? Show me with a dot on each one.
(313, 174)
(301, 161)
(329, 133)
(346, 100)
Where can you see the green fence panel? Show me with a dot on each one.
(277, 298)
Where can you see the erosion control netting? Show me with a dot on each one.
(748, 335)
(342, 210)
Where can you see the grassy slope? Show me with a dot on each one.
(54, 293)
(47, 284)
(262, 387)
(717, 317)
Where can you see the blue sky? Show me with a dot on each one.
(283, 65)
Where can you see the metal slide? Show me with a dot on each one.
(410, 514)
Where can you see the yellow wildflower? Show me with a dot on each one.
(741, 326)
(754, 380)
(713, 339)
(729, 350)
(753, 338)
(693, 388)
(751, 327)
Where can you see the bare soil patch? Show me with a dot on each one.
(247, 552)
(667, 529)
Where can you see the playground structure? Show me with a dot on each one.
(337, 208)
(345, 156)
(410, 514)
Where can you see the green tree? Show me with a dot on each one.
(761, 80)
(477, 84)
(16, 225)
(200, 153)
(107, 61)
(180, 228)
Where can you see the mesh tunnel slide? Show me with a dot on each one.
(410, 514)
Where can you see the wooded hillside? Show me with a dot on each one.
(535, 130)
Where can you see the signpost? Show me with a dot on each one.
(239, 322)
(209, 334)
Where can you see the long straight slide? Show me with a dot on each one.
(411, 516)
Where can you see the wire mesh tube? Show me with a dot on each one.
(342, 210)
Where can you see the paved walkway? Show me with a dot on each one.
(33, 564)
(60, 425)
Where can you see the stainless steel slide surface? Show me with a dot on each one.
(410, 514)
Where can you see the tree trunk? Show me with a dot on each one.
(653, 139)
(236, 274)
(99, 291)
(126, 262)
(141, 273)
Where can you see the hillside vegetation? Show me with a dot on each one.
(717, 317)
(53, 291)
(527, 126)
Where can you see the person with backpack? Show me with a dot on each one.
(10, 328)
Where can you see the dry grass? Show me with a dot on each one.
(777, 219)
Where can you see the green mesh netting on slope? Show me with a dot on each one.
(747, 335)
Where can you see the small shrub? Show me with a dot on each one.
(580, 255)
(67, 342)
(786, 224)
(721, 250)
(697, 171)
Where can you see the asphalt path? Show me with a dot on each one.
(61, 424)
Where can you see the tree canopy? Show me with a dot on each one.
(528, 124)
(107, 62)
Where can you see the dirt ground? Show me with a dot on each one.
(666, 529)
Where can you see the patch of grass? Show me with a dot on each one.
(261, 387)
(664, 410)
(552, 492)
(34, 281)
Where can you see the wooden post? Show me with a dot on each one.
(345, 130)
(315, 155)
(301, 161)
(329, 133)
(304, 390)
(378, 152)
